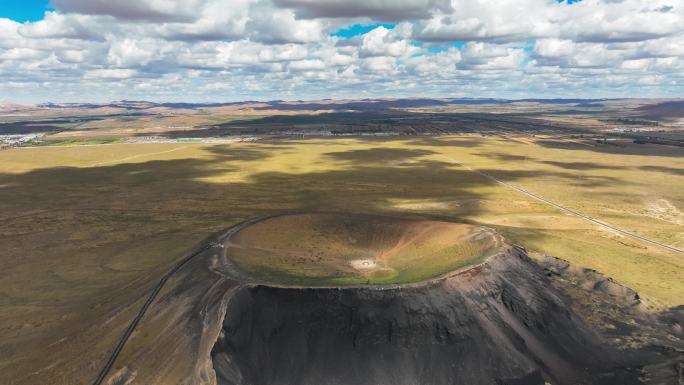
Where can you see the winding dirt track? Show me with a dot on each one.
(565, 209)
(153, 295)
(134, 323)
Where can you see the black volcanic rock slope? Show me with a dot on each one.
(501, 323)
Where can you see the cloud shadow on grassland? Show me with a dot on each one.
(664, 169)
(444, 142)
(624, 148)
(508, 157)
(582, 165)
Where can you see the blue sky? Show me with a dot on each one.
(23, 10)
(359, 29)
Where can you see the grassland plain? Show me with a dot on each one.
(87, 230)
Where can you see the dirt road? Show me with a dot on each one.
(565, 209)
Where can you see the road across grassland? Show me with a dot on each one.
(102, 375)
(148, 302)
(565, 209)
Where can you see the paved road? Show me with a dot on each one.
(565, 209)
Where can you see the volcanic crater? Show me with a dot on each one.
(335, 250)
(350, 299)
(357, 299)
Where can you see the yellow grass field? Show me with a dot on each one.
(87, 230)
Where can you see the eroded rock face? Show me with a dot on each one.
(500, 323)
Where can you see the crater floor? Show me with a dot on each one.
(351, 249)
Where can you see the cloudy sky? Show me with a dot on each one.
(228, 50)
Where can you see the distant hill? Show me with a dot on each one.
(7, 107)
(670, 109)
(325, 104)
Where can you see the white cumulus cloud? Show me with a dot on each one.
(278, 49)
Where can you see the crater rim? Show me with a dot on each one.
(332, 250)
